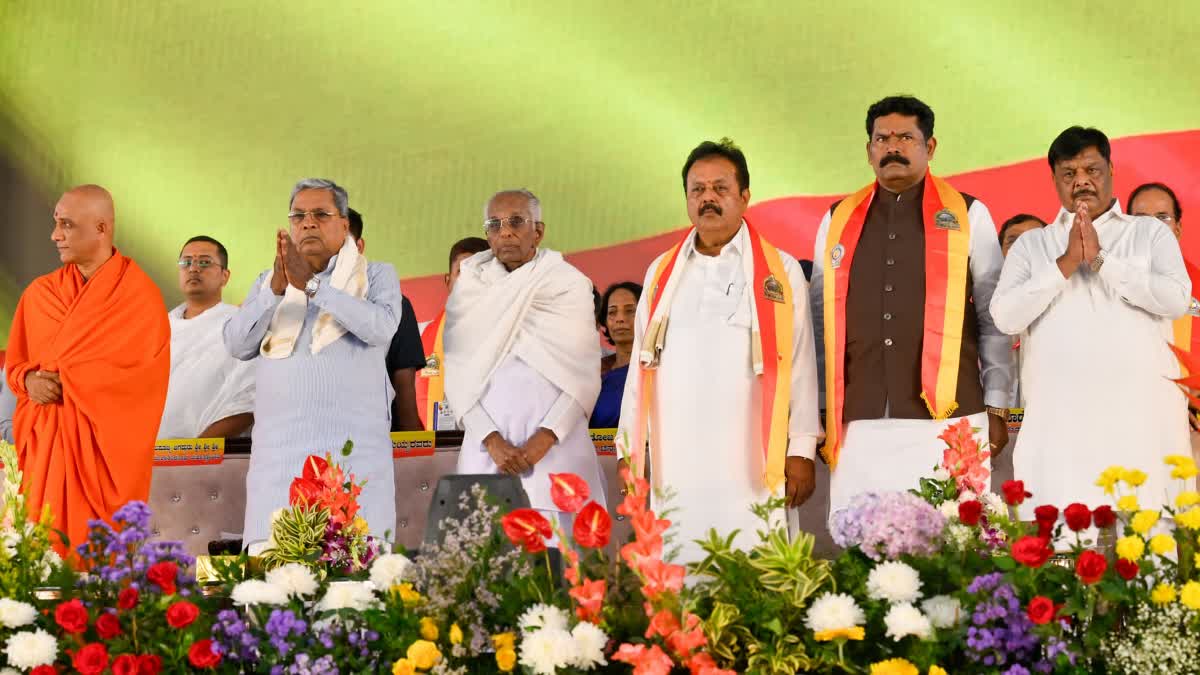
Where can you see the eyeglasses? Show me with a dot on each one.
(321, 216)
(1165, 217)
(515, 223)
(203, 263)
(905, 139)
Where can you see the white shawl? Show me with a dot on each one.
(542, 312)
(349, 275)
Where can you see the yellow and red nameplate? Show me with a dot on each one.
(1015, 417)
(605, 442)
(947, 249)
(189, 451)
(413, 444)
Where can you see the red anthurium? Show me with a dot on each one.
(970, 511)
(1040, 610)
(314, 467)
(589, 597)
(1078, 517)
(1014, 492)
(568, 491)
(527, 528)
(1031, 551)
(1090, 567)
(593, 526)
(305, 492)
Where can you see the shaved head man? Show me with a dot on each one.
(88, 359)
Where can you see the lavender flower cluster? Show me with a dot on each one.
(290, 644)
(889, 525)
(129, 552)
(1001, 636)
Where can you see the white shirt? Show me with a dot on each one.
(206, 384)
(1096, 366)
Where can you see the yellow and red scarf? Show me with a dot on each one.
(431, 380)
(771, 347)
(947, 248)
(1187, 338)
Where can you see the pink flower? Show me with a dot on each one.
(659, 577)
(590, 597)
(645, 661)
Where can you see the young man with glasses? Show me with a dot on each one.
(210, 394)
(522, 366)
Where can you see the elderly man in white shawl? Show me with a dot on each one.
(210, 394)
(522, 358)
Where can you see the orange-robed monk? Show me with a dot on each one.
(88, 358)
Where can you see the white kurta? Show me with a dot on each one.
(705, 419)
(207, 384)
(891, 454)
(1096, 366)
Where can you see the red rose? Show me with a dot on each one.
(1031, 551)
(108, 626)
(182, 614)
(127, 598)
(1090, 567)
(593, 526)
(1078, 517)
(1014, 492)
(163, 575)
(71, 616)
(1103, 516)
(568, 491)
(969, 512)
(528, 528)
(149, 664)
(91, 659)
(44, 670)
(125, 664)
(1040, 610)
(202, 656)
(1045, 515)
(1127, 569)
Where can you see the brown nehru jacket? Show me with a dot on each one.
(885, 317)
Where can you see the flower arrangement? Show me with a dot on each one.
(27, 556)
(321, 527)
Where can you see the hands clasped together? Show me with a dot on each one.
(290, 266)
(1083, 244)
(515, 460)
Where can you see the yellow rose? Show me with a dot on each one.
(1133, 477)
(1128, 503)
(1131, 548)
(429, 629)
(506, 659)
(407, 595)
(894, 667)
(1162, 544)
(1109, 478)
(1143, 521)
(1189, 519)
(851, 633)
(423, 654)
(456, 635)
(403, 667)
(504, 641)
(937, 670)
(1186, 499)
(1163, 594)
(1189, 595)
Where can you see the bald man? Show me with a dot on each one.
(88, 359)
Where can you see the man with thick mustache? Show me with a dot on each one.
(903, 274)
(1096, 291)
(318, 326)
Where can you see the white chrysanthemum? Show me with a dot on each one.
(542, 617)
(966, 496)
(356, 595)
(903, 620)
(994, 504)
(258, 592)
(547, 650)
(295, 579)
(834, 611)
(895, 582)
(941, 473)
(949, 508)
(589, 645)
(943, 611)
(31, 649)
(388, 570)
(14, 613)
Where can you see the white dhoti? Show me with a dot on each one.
(891, 455)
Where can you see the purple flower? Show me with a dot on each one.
(889, 525)
(1000, 632)
(281, 625)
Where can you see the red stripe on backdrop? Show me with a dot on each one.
(791, 222)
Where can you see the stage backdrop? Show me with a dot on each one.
(200, 116)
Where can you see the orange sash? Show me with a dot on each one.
(947, 248)
(431, 380)
(773, 306)
(1187, 338)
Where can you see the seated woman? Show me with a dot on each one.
(617, 309)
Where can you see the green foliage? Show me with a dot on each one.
(298, 535)
(27, 557)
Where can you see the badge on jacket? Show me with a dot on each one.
(772, 289)
(433, 366)
(945, 220)
(836, 255)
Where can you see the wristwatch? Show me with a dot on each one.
(1097, 262)
(310, 289)
(1002, 413)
